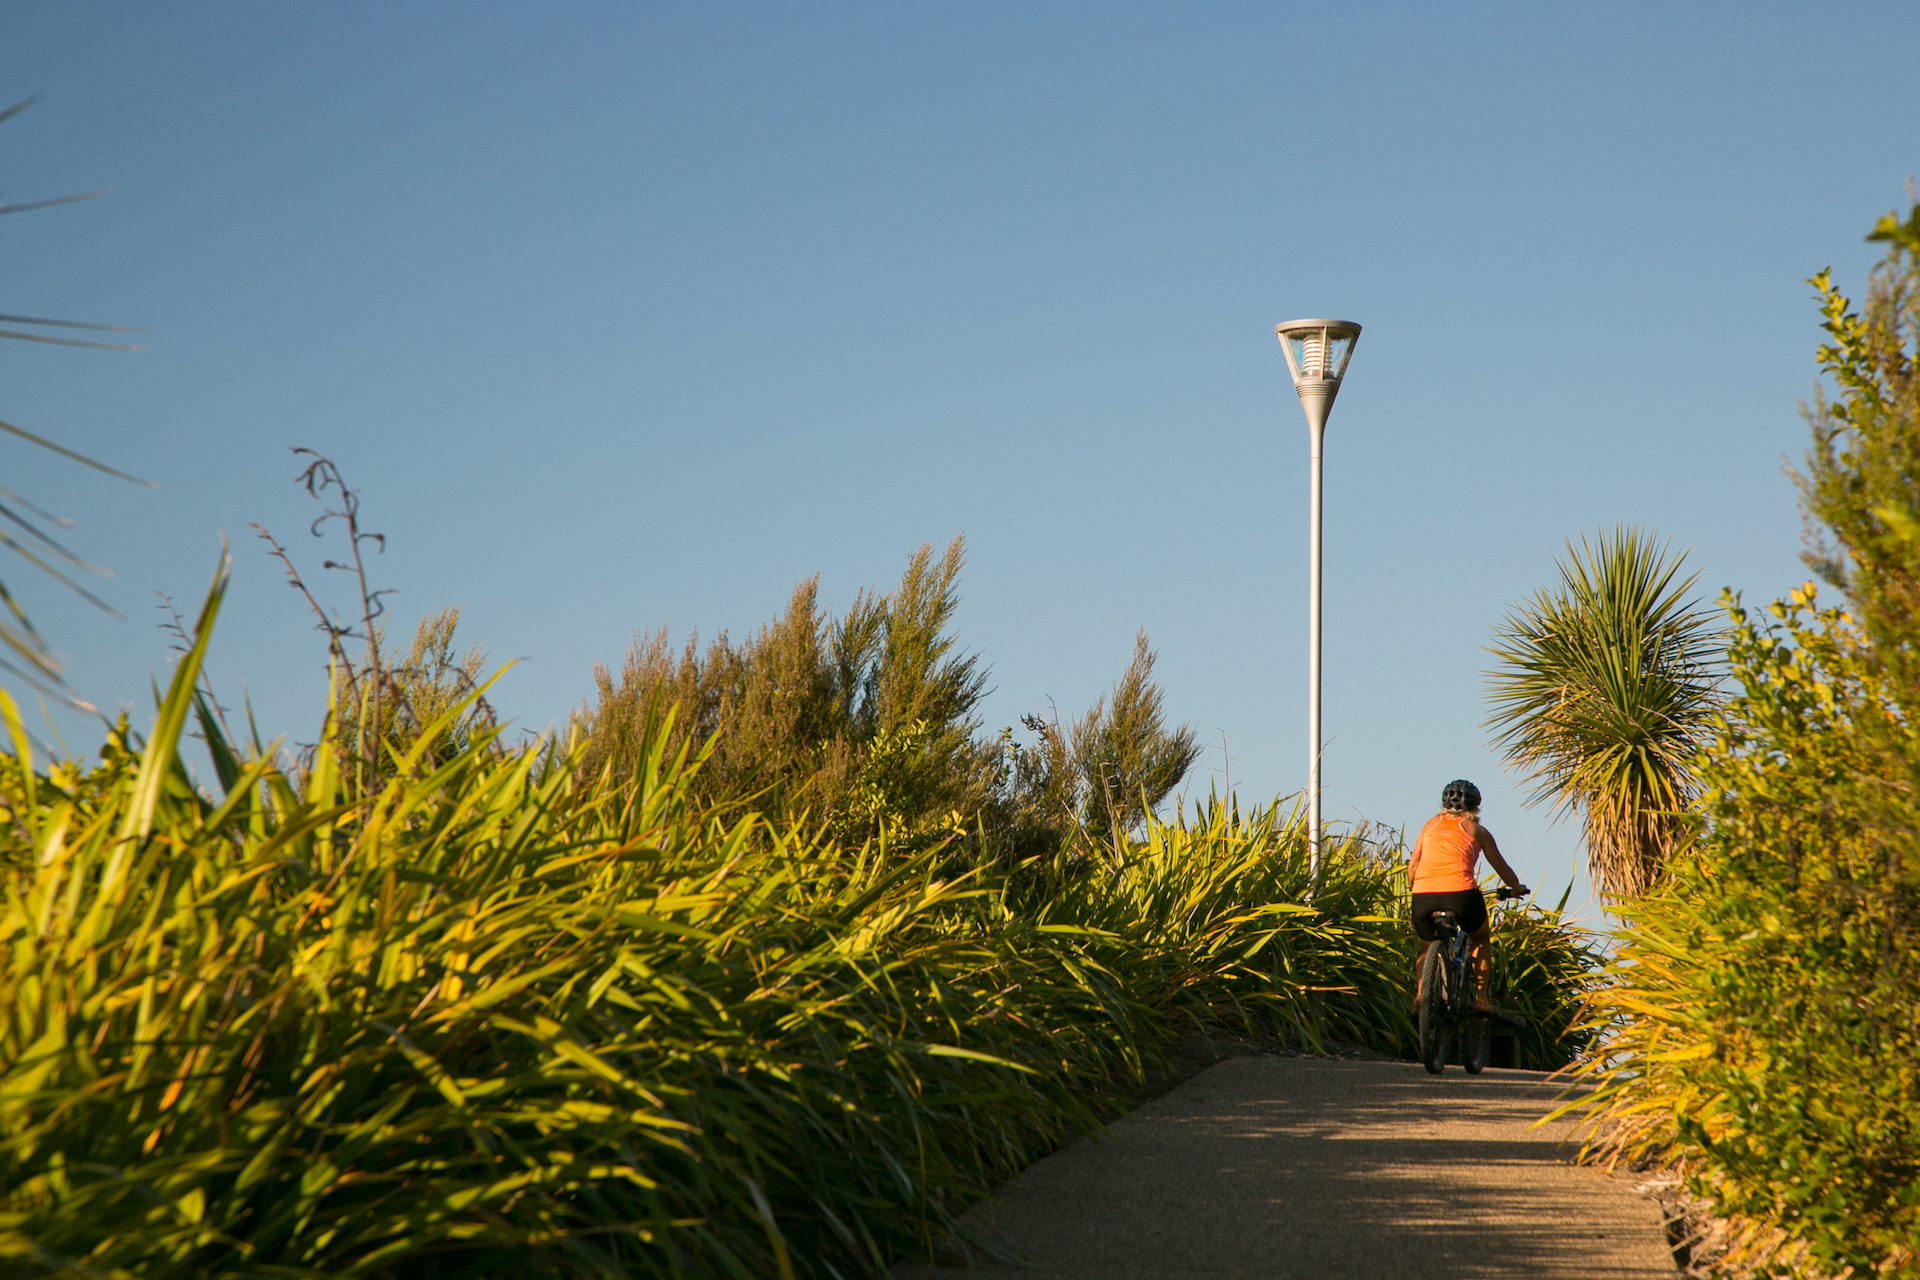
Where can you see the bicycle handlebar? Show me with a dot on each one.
(1505, 893)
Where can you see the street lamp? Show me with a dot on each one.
(1317, 352)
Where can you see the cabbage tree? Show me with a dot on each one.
(1602, 693)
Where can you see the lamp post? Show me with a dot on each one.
(1317, 353)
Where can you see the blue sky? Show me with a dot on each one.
(625, 315)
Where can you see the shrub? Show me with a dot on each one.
(1762, 1019)
(1104, 774)
(867, 724)
(1761, 1011)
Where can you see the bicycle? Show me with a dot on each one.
(1446, 998)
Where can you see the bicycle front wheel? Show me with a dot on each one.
(1436, 1028)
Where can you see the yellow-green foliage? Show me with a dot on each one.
(291, 1034)
(1765, 1030)
(416, 692)
(1763, 1016)
(510, 1018)
(1213, 928)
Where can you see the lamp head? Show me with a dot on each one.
(1317, 353)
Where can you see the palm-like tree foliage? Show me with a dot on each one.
(1601, 694)
(24, 653)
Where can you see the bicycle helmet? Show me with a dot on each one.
(1460, 796)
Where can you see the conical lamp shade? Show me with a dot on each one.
(1317, 353)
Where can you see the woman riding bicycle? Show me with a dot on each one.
(1440, 869)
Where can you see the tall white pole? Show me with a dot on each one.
(1319, 432)
(1317, 365)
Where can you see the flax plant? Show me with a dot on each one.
(489, 1025)
(1210, 914)
(1210, 925)
(1602, 694)
(505, 1017)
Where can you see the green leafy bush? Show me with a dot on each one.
(1764, 1023)
(1762, 1020)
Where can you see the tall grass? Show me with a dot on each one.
(498, 1019)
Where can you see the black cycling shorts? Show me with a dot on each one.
(1469, 907)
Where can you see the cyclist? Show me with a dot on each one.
(1440, 869)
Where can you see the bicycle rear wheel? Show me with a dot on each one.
(1477, 1048)
(1460, 969)
(1436, 1028)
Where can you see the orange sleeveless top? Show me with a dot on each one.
(1447, 856)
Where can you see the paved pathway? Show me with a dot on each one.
(1309, 1167)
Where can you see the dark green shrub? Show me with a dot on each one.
(866, 724)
